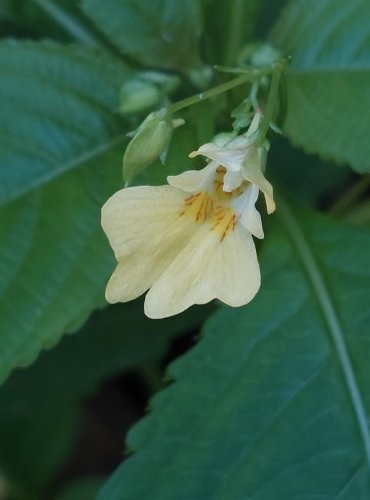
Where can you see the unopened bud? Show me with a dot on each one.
(259, 54)
(266, 55)
(164, 81)
(137, 95)
(150, 142)
(201, 77)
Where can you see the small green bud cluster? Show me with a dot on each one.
(260, 64)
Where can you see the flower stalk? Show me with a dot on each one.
(272, 102)
(251, 76)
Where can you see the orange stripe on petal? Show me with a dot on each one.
(223, 221)
(198, 206)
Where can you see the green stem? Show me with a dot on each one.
(234, 32)
(224, 87)
(350, 196)
(67, 22)
(272, 101)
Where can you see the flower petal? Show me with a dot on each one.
(146, 232)
(252, 171)
(207, 268)
(194, 180)
(250, 217)
(229, 157)
(253, 127)
(232, 180)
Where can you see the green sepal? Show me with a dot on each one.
(242, 114)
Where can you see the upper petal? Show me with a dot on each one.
(229, 157)
(207, 268)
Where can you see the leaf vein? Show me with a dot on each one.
(330, 315)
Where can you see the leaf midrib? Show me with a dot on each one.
(317, 282)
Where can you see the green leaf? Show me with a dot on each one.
(116, 339)
(32, 19)
(228, 26)
(57, 120)
(35, 440)
(83, 489)
(329, 77)
(273, 402)
(159, 33)
(57, 112)
(309, 178)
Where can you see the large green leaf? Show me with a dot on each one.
(41, 405)
(329, 78)
(57, 118)
(153, 32)
(273, 402)
(57, 112)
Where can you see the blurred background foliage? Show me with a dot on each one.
(64, 411)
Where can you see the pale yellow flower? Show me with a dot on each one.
(188, 242)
